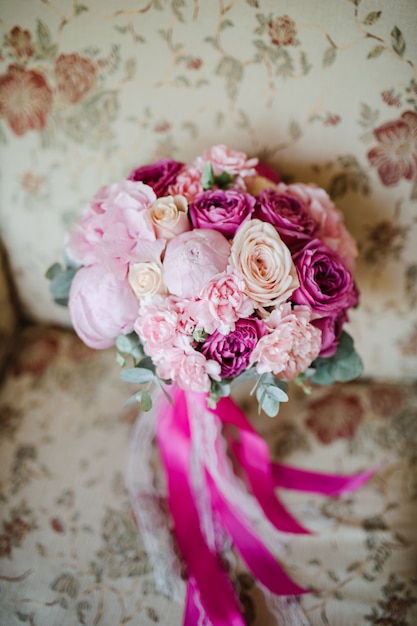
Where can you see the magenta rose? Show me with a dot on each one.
(289, 215)
(101, 306)
(331, 328)
(326, 286)
(233, 351)
(159, 175)
(222, 210)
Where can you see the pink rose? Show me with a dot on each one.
(332, 230)
(224, 159)
(192, 259)
(291, 346)
(263, 260)
(223, 301)
(101, 307)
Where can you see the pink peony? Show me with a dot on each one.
(192, 259)
(331, 228)
(101, 306)
(223, 301)
(291, 346)
(116, 229)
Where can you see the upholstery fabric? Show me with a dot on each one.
(70, 552)
(326, 92)
(8, 316)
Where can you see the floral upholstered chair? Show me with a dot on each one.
(324, 92)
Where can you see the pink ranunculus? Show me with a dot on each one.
(101, 306)
(192, 259)
(158, 175)
(222, 210)
(117, 230)
(291, 345)
(326, 286)
(294, 223)
(224, 159)
(190, 370)
(330, 221)
(222, 302)
(187, 183)
(233, 351)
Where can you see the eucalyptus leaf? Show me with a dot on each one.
(277, 393)
(138, 375)
(60, 286)
(267, 402)
(343, 366)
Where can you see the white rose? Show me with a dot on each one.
(169, 216)
(265, 263)
(145, 278)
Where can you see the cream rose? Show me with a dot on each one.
(169, 216)
(265, 263)
(145, 279)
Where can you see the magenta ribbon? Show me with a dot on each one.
(210, 594)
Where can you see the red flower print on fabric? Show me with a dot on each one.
(335, 416)
(75, 76)
(25, 99)
(396, 155)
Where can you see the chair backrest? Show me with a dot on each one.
(324, 91)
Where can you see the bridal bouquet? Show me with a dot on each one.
(212, 272)
(203, 275)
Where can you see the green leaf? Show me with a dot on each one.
(80, 8)
(397, 41)
(376, 52)
(207, 176)
(44, 35)
(133, 399)
(138, 375)
(66, 583)
(53, 271)
(224, 180)
(120, 360)
(245, 375)
(277, 393)
(127, 343)
(226, 24)
(371, 18)
(145, 400)
(329, 56)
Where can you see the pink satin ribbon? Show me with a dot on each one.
(209, 588)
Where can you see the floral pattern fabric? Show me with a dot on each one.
(71, 553)
(93, 89)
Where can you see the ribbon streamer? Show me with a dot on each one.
(211, 599)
